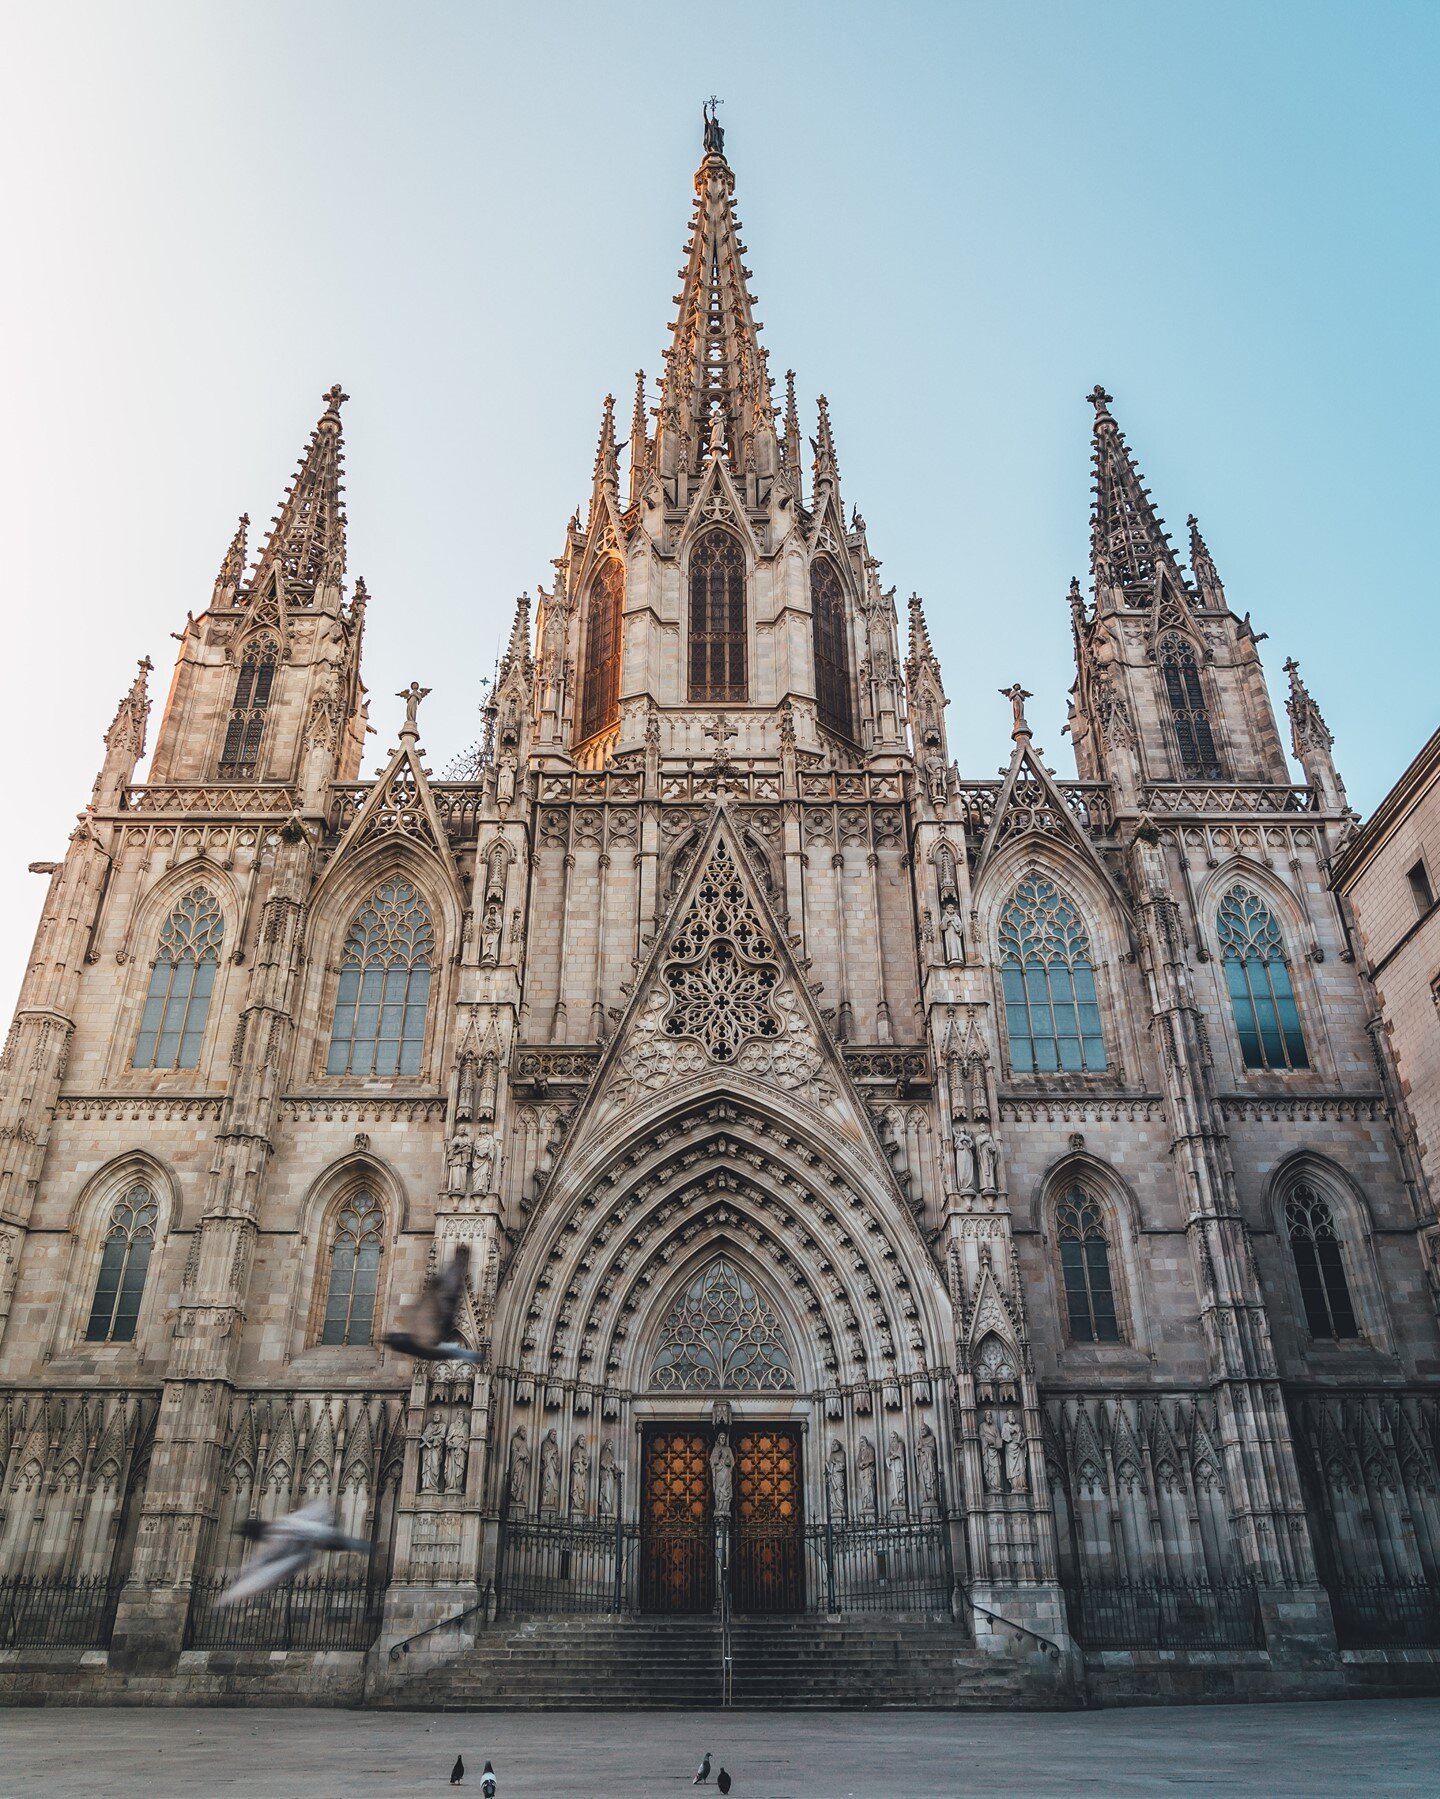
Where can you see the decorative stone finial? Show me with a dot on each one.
(412, 696)
(714, 130)
(1017, 697)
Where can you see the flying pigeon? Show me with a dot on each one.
(722, 1780)
(429, 1332)
(702, 1773)
(286, 1546)
(457, 1773)
(489, 1785)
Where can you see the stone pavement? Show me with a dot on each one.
(1381, 1749)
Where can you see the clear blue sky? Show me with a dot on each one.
(960, 218)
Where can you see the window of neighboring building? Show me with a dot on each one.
(1258, 977)
(355, 1247)
(832, 647)
(1189, 714)
(1085, 1269)
(1052, 1014)
(1319, 1265)
(717, 618)
(124, 1262)
(1419, 879)
(384, 990)
(182, 978)
(253, 686)
(600, 701)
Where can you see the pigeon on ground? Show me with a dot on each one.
(489, 1785)
(722, 1780)
(457, 1773)
(429, 1324)
(286, 1545)
(702, 1773)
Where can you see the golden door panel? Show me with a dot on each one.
(677, 1527)
(769, 1521)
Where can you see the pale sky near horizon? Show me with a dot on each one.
(960, 217)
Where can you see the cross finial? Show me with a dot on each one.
(334, 398)
(1099, 399)
(412, 696)
(714, 131)
(1017, 697)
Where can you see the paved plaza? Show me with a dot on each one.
(1380, 1748)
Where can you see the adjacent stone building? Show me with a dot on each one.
(891, 1195)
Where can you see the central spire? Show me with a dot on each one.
(715, 367)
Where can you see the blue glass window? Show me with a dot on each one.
(380, 1005)
(1052, 1014)
(1258, 977)
(182, 979)
(1319, 1265)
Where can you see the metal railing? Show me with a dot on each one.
(880, 1567)
(303, 1614)
(1166, 1614)
(58, 1611)
(565, 1565)
(727, 1622)
(1379, 1614)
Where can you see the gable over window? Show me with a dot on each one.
(1189, 714)
(1052, 1014)
(253, 687)
(124, 1262)
(600, 701)
(384, 990)
(717, 618)
(832, 648)
(182, 978)
(1257, 975)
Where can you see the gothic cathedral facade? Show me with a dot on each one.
(984, 1200)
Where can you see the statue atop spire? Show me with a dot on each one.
(714, 130)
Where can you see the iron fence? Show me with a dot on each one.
(564, 1565)
(880, 1567)
(1379, 1614)
(58, 1611)
(303, 1614)
(1166, 1614)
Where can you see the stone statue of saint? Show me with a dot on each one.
(459, 1165)
(482, 1162)
(1014, 1440)
(865, 1478)
(457, 1450)
(989, 1153)
(722, 1474)
(549, 1472)
(992, 1453)
(895, 1472)
(952, 938)
(519, 1467)
(491, 926)
(609, 1477)
(835, 1479)
(965, 1161)
(579, 1476)
(927, 1461)
(505, 780)
(432, 1453)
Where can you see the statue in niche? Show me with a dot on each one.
(952, 937)
(989, 1152)
(432, 1453)
(457, 1452)
(992, 1454)
(492, 925)
(936, 775)
(927, 1461)
(505, 780)
(609, 1480)
(482, 1162)
(519, 1466)
(579, 1475)
(458, 1165)
(865, 1478)
(965, 1161)
(835, 1479)
(1013, 1438)
(896, 1477)
(549, 1472)
(722, 1474)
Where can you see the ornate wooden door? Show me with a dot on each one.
(768, 1559)
(677, 1524)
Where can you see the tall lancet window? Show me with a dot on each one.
(355, 1246)
(600, 699)
(832, 647)
(129, 1238)
(1258, 976)
(1189, 715)
(717, 618)
(253, 687)
(384, 991)
(1052, 1013)
(1319, 1264)
(1085, 1267)
(182, 978)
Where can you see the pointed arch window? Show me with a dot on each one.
(253, 687)
(1085, 1268)
(356, 1244)
(1052, 1013)
(124, 1262)
(1324, 1290)
(721, 1336)
(600, 701)
(1257, 974)
(384, 991)
(717, 618)
(832, 647)
(182, 978)
(1189, 714)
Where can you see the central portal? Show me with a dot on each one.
(678, 1529)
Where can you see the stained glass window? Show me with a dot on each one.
(1258, 977)
(1085, 1266)
(253, 687)
(721, 1336)
(600, 704)
(1052, 1014)
(1319, 1265)
(380, 1005)
(123, 1264)
(1189, 715)
(182, 978)
(832, 647)
(717, 618)
(354, 1271)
